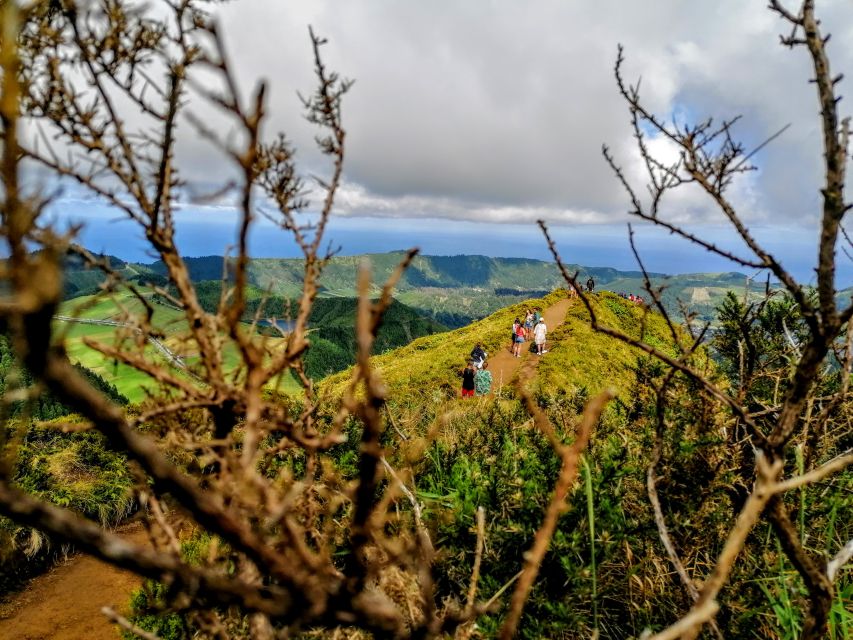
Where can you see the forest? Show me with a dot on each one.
(650, 476)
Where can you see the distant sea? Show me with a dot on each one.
(203, 231)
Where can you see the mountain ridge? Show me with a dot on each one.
(453, 290)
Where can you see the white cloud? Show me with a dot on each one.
(497, 110)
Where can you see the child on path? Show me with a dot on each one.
(539, 333)
(468, 381)
(519, 339)
(483, 381)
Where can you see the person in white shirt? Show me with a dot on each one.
(539, 332)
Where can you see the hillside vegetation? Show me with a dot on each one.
(71, 470)
(578, 357)
(605, 569)
(454, 290)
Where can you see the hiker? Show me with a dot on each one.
(516, 323)
(537, 315)
(519, 339)
(478, 355)
(483, 381)
(539, 333)
(590, 285)
(528, 323)
(468, 381)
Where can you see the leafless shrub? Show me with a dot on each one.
(711, 157)
(212, 445)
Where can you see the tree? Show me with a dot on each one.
(778, 398)
(298, 542)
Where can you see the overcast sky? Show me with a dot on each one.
(497, 111)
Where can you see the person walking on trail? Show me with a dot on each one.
(468, 381)
(519, 339)
(539, 332)
(590, 285)
(515, 325)
(478, 355)
(483, 381)
(537, 315)
(528, 323)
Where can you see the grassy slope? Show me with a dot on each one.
(578, 356)
(486, 454)
(582, 358)
(129, 381)
(457, 289)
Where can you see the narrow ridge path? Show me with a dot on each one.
(65, 603)
(504, 365)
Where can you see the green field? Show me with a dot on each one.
(124, 307)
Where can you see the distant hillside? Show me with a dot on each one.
(80, 279)
(332, 325)
(453, 290)
(43, 406)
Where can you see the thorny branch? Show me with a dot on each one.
(711, 158)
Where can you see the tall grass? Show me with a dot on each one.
(590, 508)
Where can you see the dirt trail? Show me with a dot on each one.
(504, 365)
(65, 603)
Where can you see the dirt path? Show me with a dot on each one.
(504, 365)
(65, 603)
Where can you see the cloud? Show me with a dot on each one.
(355, 201)
(497, 110)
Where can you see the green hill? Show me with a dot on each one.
(605, 567)
(465, 454)
(453, 290)
(578, 357)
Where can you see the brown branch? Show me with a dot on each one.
(478, 558)
(836, 464)
(569, 456)
(810, 569)
(92, 539)
(706, 605)
(127, 625)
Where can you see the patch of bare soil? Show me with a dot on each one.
(65, 603)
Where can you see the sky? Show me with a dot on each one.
(495, 112)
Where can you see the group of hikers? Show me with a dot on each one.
(636, 299)
(532, 327)
(574, 289)
(476, 377)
